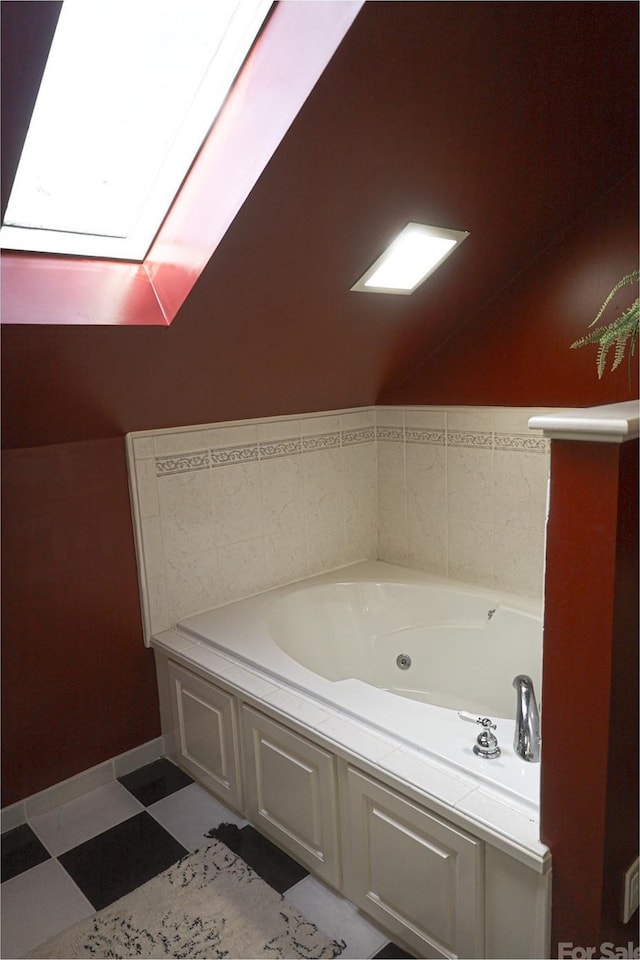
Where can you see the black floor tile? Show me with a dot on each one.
(155, 781)
(275, 867)
(21, 850)
(392, 952)
(120, 859)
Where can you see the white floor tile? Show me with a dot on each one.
(36, 905)
(189, 814)
(337, 918)
(85, 817)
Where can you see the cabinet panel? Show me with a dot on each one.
(291, 793)
(417, 875)
(205, 725)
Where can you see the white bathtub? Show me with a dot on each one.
(438, 643)
(337, 638)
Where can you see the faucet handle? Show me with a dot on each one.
(474, 718)
(486, 745)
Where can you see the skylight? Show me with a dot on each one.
(130, 90)
(415, 253)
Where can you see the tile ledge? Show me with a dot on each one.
(610, 423)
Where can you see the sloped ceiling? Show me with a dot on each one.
(503, 119)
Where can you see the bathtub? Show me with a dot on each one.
(400, 651)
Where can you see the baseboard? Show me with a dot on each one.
(46, 800)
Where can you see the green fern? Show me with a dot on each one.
(618, 333)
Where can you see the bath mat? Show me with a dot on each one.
(210, 904)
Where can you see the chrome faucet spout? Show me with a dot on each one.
(526, 740)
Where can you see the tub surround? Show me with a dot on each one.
(227, 514)
(240, 631)
(377, 801)
(224, 511)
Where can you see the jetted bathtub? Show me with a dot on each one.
(401, 651)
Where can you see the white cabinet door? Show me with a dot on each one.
(204, 720)
(291, 793)
(417, 875)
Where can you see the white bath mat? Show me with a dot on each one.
(210, 904)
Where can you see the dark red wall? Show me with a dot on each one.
(589, 795)
(78, 686)
(515, 349)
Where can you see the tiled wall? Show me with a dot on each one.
(222, 511)
(462, 492)
(226, 510)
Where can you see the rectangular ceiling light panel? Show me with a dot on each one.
(414, 254)
(130, 91)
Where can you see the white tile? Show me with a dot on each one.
(501, 818)
(357, 419)
(272, 430)
(471, 551)
(85, 817)
(389, 417)
(520, 488)
(138, 757)
(392, 505)
(285, 557)
(519, 560)
(67, 790)
(303, 710)
(143, 447)
(249, 681)
(186, 513)
(470, 484)
(236, 502)
(282, 495)
(241, 568)
(470, 419)
(425, 419)
(426, 507)
(337, 918)
(182, 441)
(190, 813)
(236, 434)
(425, 776)
(13, 816)
(316, 426)
(147, 488)
(355, 738)
(38, 904)
(360, 501)
(192, 583)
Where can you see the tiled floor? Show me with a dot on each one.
(64, 865)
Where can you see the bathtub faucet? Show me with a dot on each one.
(526, 740)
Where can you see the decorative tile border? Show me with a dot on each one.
(457, 438)
(521, 441)
(183, 463)
(424, 435)
(361, 435)
(280, 448)
(168, 466)
(321, 441)
(390, 434)
(222, 456)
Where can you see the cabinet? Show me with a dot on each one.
(417, 875)
(435, 887)
(291, 793)
(205, 733)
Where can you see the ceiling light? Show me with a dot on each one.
(414, 254)
(129, 93)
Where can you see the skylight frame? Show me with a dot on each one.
(195, 125)
(426, 231)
